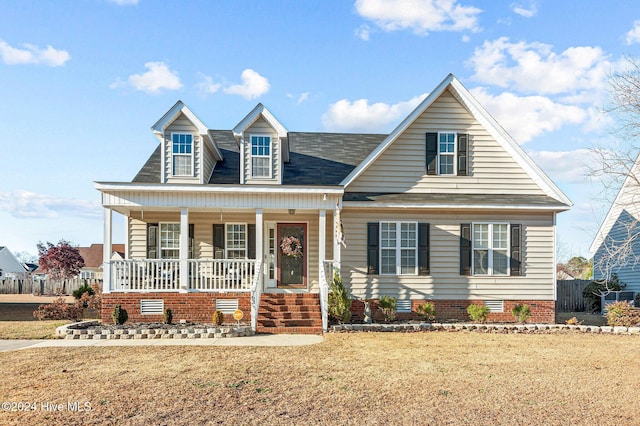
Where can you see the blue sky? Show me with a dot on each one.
(81, 82)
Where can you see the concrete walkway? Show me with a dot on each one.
(257, 340)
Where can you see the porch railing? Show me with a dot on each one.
(256, 294)
(227, 275)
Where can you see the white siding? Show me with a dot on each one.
(261, 127)
(402, 167)
(445, 281)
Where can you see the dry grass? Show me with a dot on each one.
(586, 318)
(367, 378)
(29, 329)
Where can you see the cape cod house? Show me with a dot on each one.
(446, 208)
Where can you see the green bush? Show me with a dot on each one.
(521, 312)
(478, 313)
(84, 288)
(388, 305)
(167, 318)
(218, 317)
(427, 310)
(339, 300)
(119, 315)
(593, 291)
(622, 314)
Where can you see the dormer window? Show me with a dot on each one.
(261, 156)
(182, 154)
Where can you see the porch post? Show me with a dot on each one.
(184, 249)
(259, 236)
(106, 251)
(322, 238)
(336, 243)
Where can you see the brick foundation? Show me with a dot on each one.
(193, 307)
(542, 311)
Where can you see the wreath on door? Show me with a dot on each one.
(291, 246)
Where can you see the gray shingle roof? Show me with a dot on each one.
(452, 199)
(150, 172)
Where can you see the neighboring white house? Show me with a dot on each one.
(10, 266)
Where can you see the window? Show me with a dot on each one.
(398, 248)
(169, 240)
(446, 153)
(236, 241)
(260, 156)
(182, 154)
(490, 249)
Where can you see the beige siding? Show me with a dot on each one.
(182, 125)
(208, 162)
(445, 281)
(261, 127)
(401, 168)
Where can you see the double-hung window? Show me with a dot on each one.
(399, 248)
(490, 248)
(236, 241)
(446, 153)
(169, 240)
(261, 156)
(182, 154)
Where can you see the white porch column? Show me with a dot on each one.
(336, 243)
(322, 238)
(184, 249)
(106, 251)
(259, 236)
(126, 236)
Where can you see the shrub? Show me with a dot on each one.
(593, 291)
(573, 321)
(119, 315)
(427, 310)
(58, 310)
(218, 317)
(84, 288)
(167, 318)
(388, 306)
(622, 314)
(521, 312)
(339, 300)
(478, 312)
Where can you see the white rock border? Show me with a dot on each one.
(488, 328)
(79, 331)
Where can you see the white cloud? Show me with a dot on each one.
(633, 35)
(535, 68)
(565, 166)
(124, 2)
(419, 16)
(363, 32)
(525, 117)
(157, 78)
(206, 85)
(253, 85)
(526, 9)
(359, 115)
(31, 54)
(29, 205)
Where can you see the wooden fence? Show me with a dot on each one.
(43, 287)
(569, 296)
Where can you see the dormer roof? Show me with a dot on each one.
(259, 111)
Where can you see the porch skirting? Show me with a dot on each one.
(197, 307)
(542, 311)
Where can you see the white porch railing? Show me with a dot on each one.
(326, 269)
(227, 275)
(256, 294)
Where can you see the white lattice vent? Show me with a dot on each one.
(404, 306)
(227, 306)
(152, 307)
(494, 305)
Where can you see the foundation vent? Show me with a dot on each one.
(152, 307)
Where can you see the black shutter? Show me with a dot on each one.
(191, 245)
(463, 144)
(251, 241)
(432, 153)
(516, 250)
(423, 249)
(218, 241)
(152, 241)
(465, 249)
(373, 241)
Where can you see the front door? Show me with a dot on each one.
(292, 255)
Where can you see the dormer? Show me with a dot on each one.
(188, 151)
(263, 145)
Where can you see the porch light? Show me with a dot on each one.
(292, 211)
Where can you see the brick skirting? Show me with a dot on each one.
(542, 311)
(191, 307)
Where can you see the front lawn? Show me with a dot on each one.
(30, 329)
(360, 378)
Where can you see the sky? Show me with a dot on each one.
(82, 82)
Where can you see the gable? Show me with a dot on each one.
(9, 264)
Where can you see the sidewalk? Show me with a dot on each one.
(257, 340)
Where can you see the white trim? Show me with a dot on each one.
(163, 187)
(192, 155)
(160, 248)
(246, 240)
(484, 118)
(251, 156)
(490, 249)
(256, 112)
(365, 204)
(453, 154)
(398, 248)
